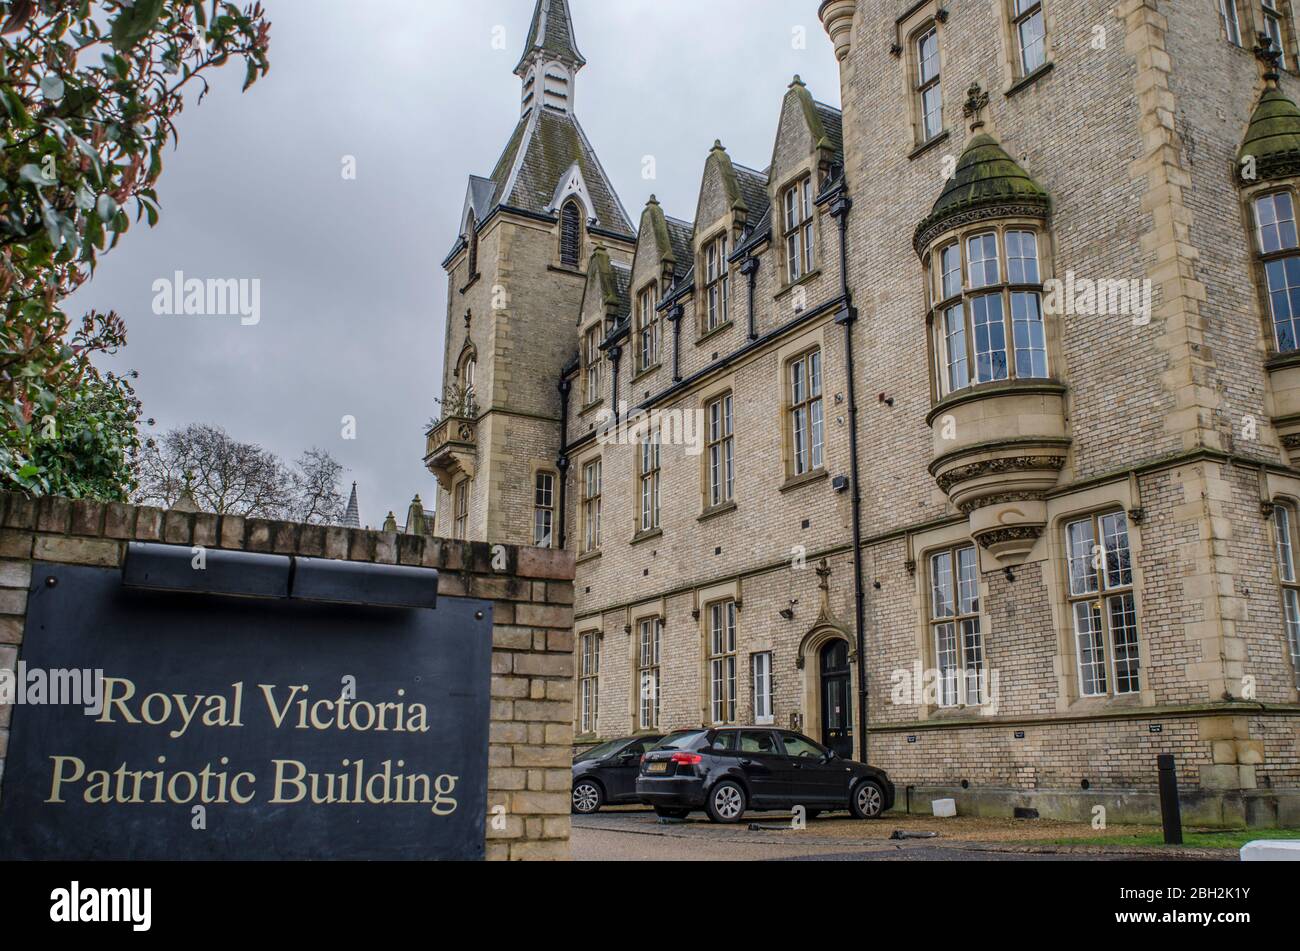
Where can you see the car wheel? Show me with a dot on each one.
(726, 802)
(664, 812)
(867, 800)
(588, 797)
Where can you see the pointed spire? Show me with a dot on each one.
(353, 517)
(550, 42)
(551, 36)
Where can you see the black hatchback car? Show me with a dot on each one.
(727, 770)
(606, 775)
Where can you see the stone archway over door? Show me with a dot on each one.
(830, 644)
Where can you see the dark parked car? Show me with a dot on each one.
(607, 774)
(728, 770)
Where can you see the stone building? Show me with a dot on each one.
(959, 437)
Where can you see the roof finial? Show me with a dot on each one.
(796, 81)
(976, 101)
(1268, 54)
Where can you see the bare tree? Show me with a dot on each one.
(317, 489)
(235, 478)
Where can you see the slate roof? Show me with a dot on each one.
(541, 149)
(753, 189)
(833, 122)
(622, 286)
(552, 31)
(681, 236)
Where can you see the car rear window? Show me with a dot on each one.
(681, 741)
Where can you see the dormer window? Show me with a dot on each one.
(716, 275)
(1275, 230)
(797, 203)
(647, 329)
(570, 235)
(988, 311)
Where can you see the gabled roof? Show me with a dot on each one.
(552, 33)
(542, 149)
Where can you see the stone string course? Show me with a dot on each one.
(531, 730)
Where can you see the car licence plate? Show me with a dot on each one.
(657, 768)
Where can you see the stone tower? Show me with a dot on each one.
(516, 276)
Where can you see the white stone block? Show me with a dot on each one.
(944, 808)
(1271, 850)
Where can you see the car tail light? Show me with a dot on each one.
(687, 759)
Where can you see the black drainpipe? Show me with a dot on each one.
(562, 463)
(749, 268)
(839, 208)
(675, 314)
(615, 354)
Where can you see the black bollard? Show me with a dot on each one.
(1171, 816)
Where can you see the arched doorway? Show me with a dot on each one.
(836, 691)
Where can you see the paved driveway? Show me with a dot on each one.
(642, 837)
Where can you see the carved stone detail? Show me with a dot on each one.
(991, 466)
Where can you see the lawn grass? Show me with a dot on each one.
(1204, 839)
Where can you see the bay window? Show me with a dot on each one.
(1279, 250)
(988, 314)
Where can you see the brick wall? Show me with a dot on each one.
(531, 730)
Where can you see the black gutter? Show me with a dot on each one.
(675, 315)
(562, 463)
(840, 205)
(615, 353)
(749, 268)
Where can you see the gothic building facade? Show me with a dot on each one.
(962, 436)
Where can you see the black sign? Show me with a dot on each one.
(231, 728)
(1156, 728)
(1020, 734)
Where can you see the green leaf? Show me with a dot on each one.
(134, 23)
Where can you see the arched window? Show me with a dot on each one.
(465, 372)
(570, 234)
(1279, 254)
(472, 237)
(987, 309)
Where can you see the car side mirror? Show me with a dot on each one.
(830, 755)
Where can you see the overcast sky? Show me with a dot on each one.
(353, 298)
